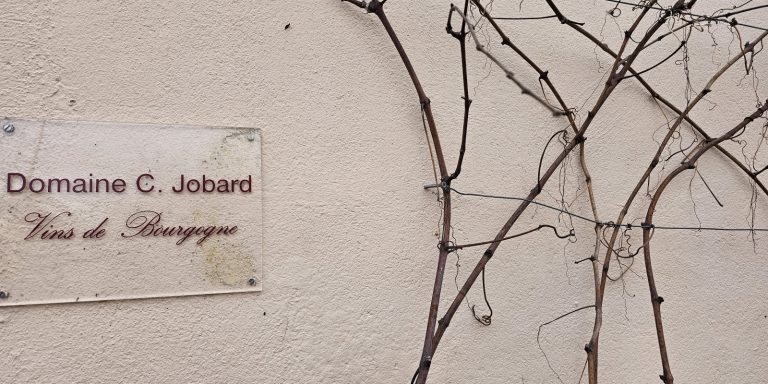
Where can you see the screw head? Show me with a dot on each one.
(252, 281)
(8, 128)
(3, 295)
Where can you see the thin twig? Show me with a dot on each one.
(510, 75)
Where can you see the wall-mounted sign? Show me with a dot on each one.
(104, 211)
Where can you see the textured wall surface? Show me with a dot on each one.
(349, 233)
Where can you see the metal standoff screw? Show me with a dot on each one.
(252, 281)
(3, 295)
(8, 128)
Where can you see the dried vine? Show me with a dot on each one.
(678, 18)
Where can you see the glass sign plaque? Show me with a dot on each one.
(107, 211)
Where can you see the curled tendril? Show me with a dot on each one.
(485, 319)
(572, 236)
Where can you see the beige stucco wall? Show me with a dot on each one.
(349, 233)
